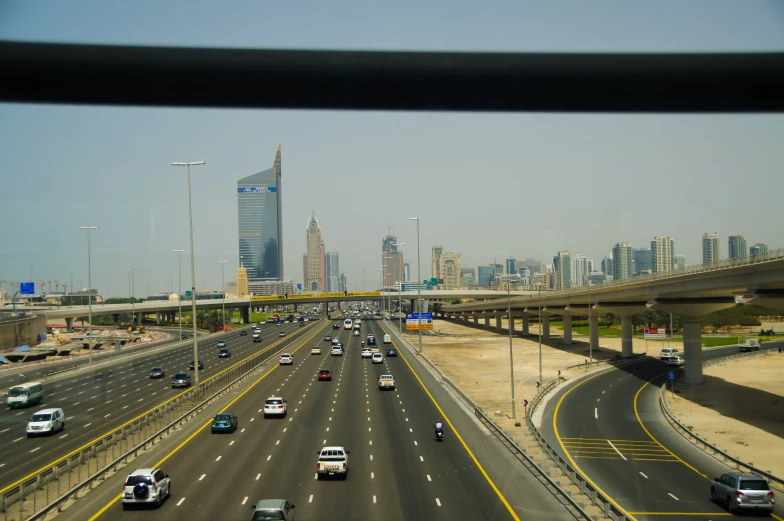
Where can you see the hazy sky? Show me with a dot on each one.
(484, 185)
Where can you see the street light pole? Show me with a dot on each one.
(419, 287)
(193, 276)
(179, 285)
(511, 356)
(223, 285)
(540, 334)
(89, 290)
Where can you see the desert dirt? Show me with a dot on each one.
(739, 408)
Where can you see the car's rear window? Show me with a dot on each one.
(274, 402)
(267, 514)
(135, 480)
(753, 484)
(181, 375)
(223, 417)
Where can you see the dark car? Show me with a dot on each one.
(325, 374)
(243, 333)
(282, 333)
(301, 323)
(335, 326)
(201, 365)
(371, 341)
(391, 352)
(184, 336)
(157, 372)
(181, 379)
(224, 353)
(257, 338)
(224, 423)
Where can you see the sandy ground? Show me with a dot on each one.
(478, 361)
(739, 408)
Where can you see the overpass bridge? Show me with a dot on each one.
(691, 292)
(168, 309)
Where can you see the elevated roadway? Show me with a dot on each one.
(691, 292)
(609, 426)
(397, 471)
(95, 401)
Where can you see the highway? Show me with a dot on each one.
(397, 470)
(96, 401)
(610, 426)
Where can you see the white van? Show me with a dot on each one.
(46, 421)
(387, 339)
(25, 395)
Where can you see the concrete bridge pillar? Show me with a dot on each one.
(69, 323)
(476, 320)
(567, 329)
(487, 321)
(545, 326)
(158, 317)
(138, 319)
(692, 351)
(525, 325)
(245, 315)
(498, 323)
(593, 332)
(626, 336)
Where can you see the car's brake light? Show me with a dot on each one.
(770, 494)
(344, 465)
(739, 493)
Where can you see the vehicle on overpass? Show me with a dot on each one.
(146, 486)
(275, 406)
(386, 381)
(225, 422)
(157, 372)
(181, 379)
(348, 324)
(273, 509)
(751, 344)
(46, 421)
(332, 461)
(24, 395)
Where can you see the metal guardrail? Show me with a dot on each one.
(615, 362)
(597, 499)
(14, 320)
(704, 444)
(77, 473)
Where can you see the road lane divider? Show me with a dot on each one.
(126, 434)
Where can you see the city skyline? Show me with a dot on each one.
(639, 171)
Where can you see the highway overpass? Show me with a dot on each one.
(692, 292)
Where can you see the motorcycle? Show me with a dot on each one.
(363, 342)
(439, 434)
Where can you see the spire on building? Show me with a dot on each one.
(276, 163)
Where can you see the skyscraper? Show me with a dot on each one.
(392, 260)
(332, 269)
(260, 224)
(758, 249)
(679, 261)
(662, 251)
(313, 281)
(622, 261)
(642, 259)
(486, 275)
(406, 271)
(562, 268)
(737, 246)
(607, 264)
(710, 248)
(580, 270)
(510, 266)
(435, 261)
(450, 270)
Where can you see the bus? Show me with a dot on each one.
(348, 324)
(25, 395)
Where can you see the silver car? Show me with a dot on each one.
(742, 491)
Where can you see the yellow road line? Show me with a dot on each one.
(657, 460)
(569, 456)
(639, 420)
(457, 434)
(205, 425)
(605, 439)
(107, 433)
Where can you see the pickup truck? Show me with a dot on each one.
(332, 461)
(386, 381)
(751, 344)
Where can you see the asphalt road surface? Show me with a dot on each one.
(96, 401)
(397, 471)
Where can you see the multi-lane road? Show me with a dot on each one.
(397, 470)
(97, 400)
(610, 427)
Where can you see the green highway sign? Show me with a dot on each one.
(188, 293)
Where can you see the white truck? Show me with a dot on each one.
(386, 381)
(333, 461)
(751, 344)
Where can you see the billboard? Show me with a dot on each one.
(413, 320)
(256, 190)
(654, 333)
(27, 288)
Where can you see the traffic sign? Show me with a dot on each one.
(188, 293)
(299, 286)
(27, 288)
(655, 333)
(413, 321)
(671, 375)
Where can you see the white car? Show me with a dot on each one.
(335, 340)
(336, 351)
(316, 350)
(366, 352)
(46, 421)
(675, 360)
(275, 406)
(286, 359)
(378, 358)
(145, 486)
(356, 332)
(332, 461)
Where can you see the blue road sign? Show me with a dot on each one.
(425, 316)
(299, 286)
(27, 288)
(671, 375)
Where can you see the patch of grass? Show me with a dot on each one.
(603, 331)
